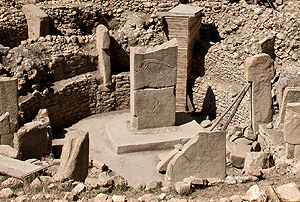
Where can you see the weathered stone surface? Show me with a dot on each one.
(292, 123)
(196, 181)
(9, 103)
(238, 151)
(102, 37)
(31, 140)
(74, 157)
(250, 135)
(259, 70)
(202, 157)
(289, 150)
(37, 20)
(153, 67)
(266, 45)
(6, 193)
(9, 151)
(290, 95)
(12, 183)
(256, 161)
(182, 188)
(255, 194)
(153, 108)
(288, 192)
(104, 65)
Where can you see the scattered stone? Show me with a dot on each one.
(78, 189)
(230, 180)
(154, 185)
(182, 188)
(246, 178)
(148, 198)
(117, 198)
(206, 123)
(119, 182)
(104, 179)
(269, 125)
(288, 192)
(196, 181)
(250, 135)
(9, 151)
(256, 161)
(255, 147)
(255, 194)
(6, 193)
(12, 183)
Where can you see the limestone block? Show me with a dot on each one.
(267, 46)
(31, 140)
(102, 37)
(292, 123)
(202, 157)
(74, 157)
(255, 193)
(256, 161)
(259, 70)
(182, 188)
(154, 67)
(290, 95)
(153, 108)
(37, 20)
(288, 192)
(9, 151)
(9, 103)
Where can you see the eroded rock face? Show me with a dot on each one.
(74, 157)
(288, 192)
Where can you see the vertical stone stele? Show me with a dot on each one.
(103, 47)
(9, 110)
(37, 21)
(259, 71)
(152, 85)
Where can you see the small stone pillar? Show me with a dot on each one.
(103, 47)
(9, 111)
(290, 95)
(152, 85)
(291, 130)
(37, 21)
(183, 23)
(259, 71)
(266, 45)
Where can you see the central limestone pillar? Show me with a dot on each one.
(183, 23)
(152, 85)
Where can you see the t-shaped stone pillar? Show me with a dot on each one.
(183, 23)
(259, 71)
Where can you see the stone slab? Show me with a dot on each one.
(16, 168)
(266, 45)
(292, 123)
(153, 67)
(290, 95)
(152, 108)
(104, 65)
(203, 156)
(182, 11)
(124, 140)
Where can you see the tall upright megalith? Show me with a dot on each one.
(103, 47)
(259, 71)
(9, 111)
(152, 85)
(37, 21)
